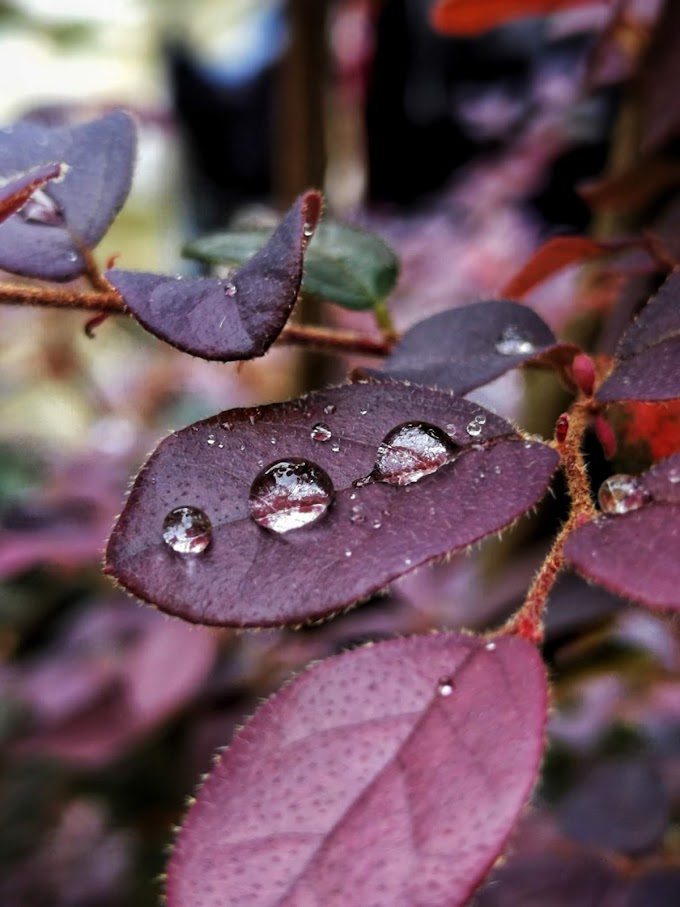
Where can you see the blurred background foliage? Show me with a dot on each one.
(464, 154)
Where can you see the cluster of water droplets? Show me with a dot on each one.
(622, 494)
(476, 425)
(513, 343)
(292, 493)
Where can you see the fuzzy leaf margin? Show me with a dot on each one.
(371, 779)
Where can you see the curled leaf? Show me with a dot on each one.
(99, 156)
(235, 318)
(250, 571)
(371, 779)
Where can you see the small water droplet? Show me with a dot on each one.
(497, 470)
(308, 229)
(348, 552)
(480, 419)
(221, 446)
(211, 440)
(674, 476)
(445, 686)
(41, 208)
(353, 496)
(357, 514)
(377, 524)
(474, 429)
(320, 432)
(329, 409)
(621, 494)
(72, 256)
(362, 412)
(409, 452)
(227, 426)
(230, 289)
(335, 448)
(512, 343)
(187, 530)
(273, 440)
(490, 647)
(290, 494)
(451, 428)
(408, 561)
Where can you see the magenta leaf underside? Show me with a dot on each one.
(371, 779)
(463, 348)
(648, 354)
(634, 554)
(100, 158)
(369, 535)
(235, 318)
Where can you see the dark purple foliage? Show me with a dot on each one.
(463, 348)
(648, 355)
(235, 318)
(620, 805)
(371, 780)
(79, 208)
(634, 553)
(15, 193)
(368, 536)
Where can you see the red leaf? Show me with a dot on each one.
(553, 256)
(391, 776)
(369, 535)
(472, 17)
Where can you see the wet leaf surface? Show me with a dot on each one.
(464, 348)
(367, 536)
(371, 780)
(648, 354)
(100, 158)
(235, 318)
(343, 264)
(634, 553)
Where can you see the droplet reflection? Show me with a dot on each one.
(290, 494)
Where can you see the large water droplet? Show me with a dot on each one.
(41, 208)
(320, 432)
(187, 530)
(512, 343)
(621, 494)
(290, 494)
(409, 452)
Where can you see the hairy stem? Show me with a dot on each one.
(528, 621)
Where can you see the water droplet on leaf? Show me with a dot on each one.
(409, 452)
(290, 494)
(230, 289)
(490, 647)
(320, 432)
(621, 494)
(348, 552)
(512, 343)
(187, 530)
(329, 409)
(211, 440)
(445, 686)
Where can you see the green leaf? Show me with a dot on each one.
(343, 264)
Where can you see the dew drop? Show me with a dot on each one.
(348, 552)
(211, 440)
(72, 256)
(308, 229)
(329, 409)
(490, 647)
(474, 429)
(362, 412)
(230, 289)
(187, 530)
(377, 524)
(41, 208)
(621, 494)
(445, 686)
(320, 432)
(353, 496)
(409, 452)
(335, 448)
(227, 426)
(512, 343)
(357, 514)
(674, 476)
(290, 494)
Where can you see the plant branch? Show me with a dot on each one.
(528, 621)
(100, 300)
(332, 339)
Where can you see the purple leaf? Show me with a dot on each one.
(100, 157)
(371, 779)
(464, 348)
(361, 538)
(620, 805)
(16, 193)
(633, 552)
(648, 354)
(236, 318)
